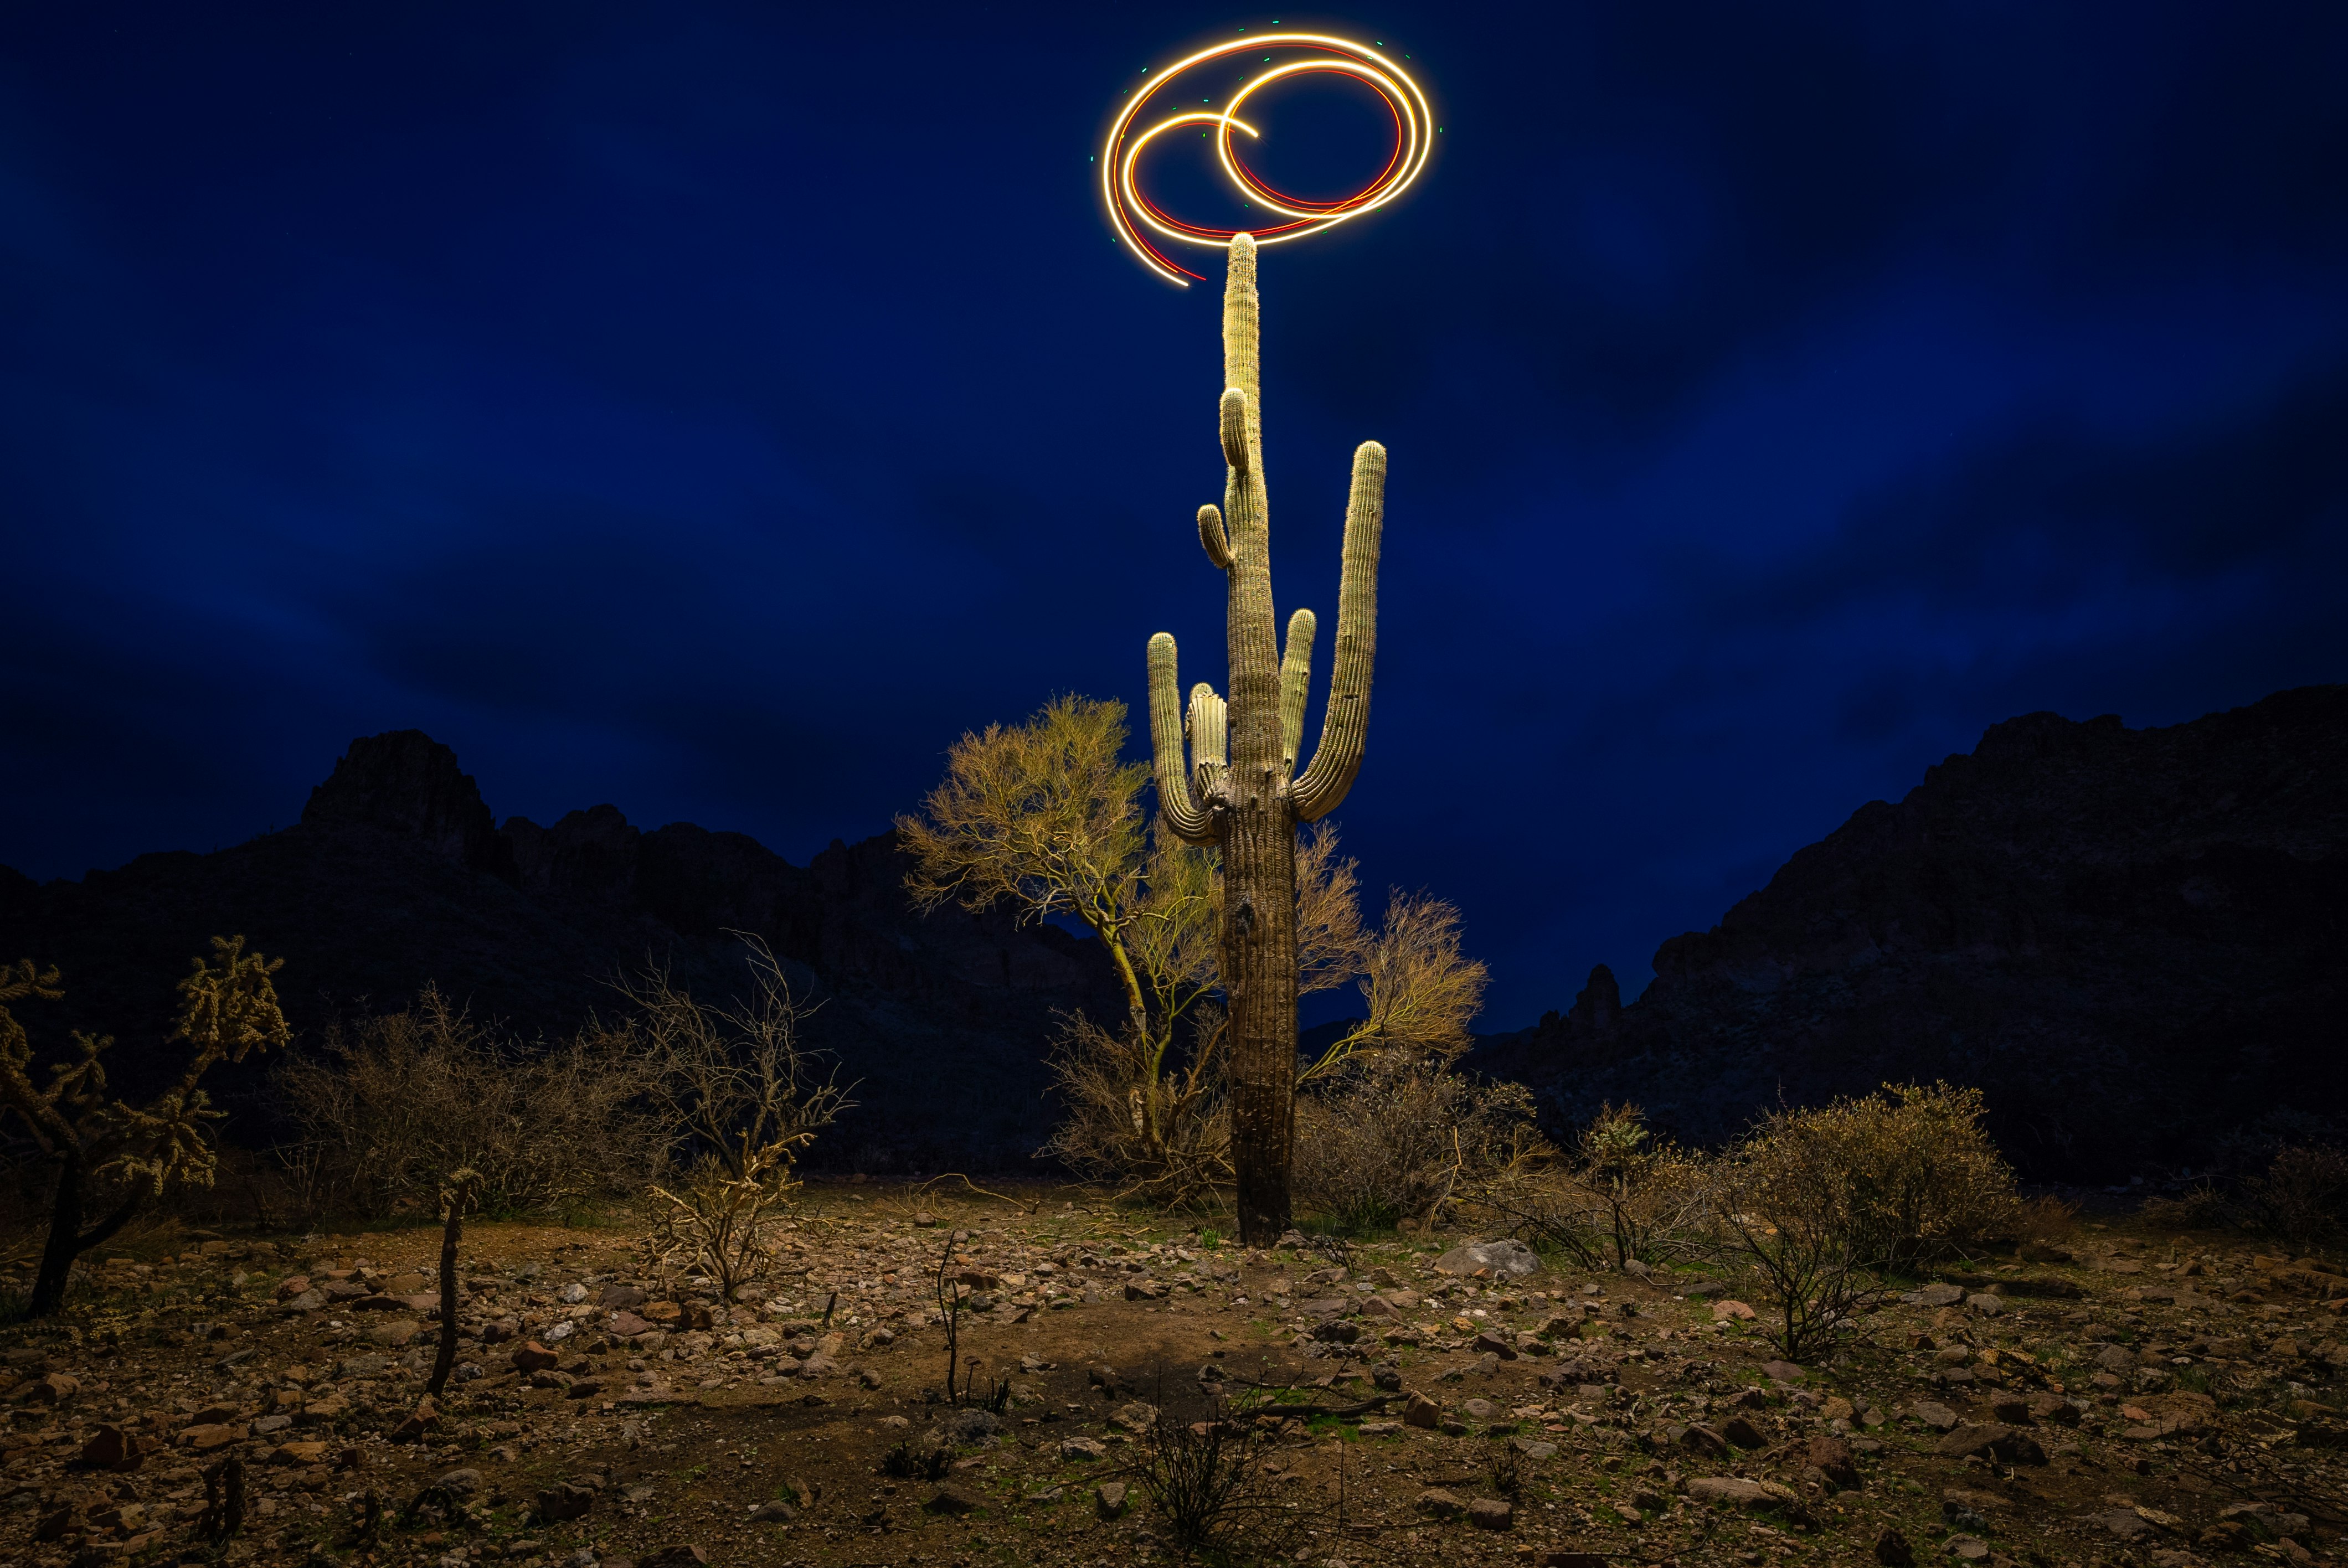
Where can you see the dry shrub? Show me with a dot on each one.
(1908, 1171)
(1621, 1193)
(1161, 1136)
(1215, 1482)
(1781, 1210)
(396, 1101)
(1394, 1134)
(2047, 1219)
(2202, 1205)
(2302, 1196)
(737, 1099)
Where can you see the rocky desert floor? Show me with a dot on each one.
(2129, 1398)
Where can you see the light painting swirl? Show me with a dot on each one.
(1138, 219)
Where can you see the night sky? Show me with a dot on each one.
(714, 411)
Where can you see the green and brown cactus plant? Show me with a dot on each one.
(1247, 800)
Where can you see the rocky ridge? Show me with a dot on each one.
(2133, 940)
(397, 875)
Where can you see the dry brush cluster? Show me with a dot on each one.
(1817, 1212)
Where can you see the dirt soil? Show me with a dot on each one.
(2140, 1399)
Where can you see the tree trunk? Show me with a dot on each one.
(63, 1244)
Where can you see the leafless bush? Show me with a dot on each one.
(1620, 1194)
(2200, 1205)
(1394, 1135)
(737, 1099)
(1209, 1481)
(1163, 1137)
(1780, 1211)
(394, 1101)
(2302, 1195)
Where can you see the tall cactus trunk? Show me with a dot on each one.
(1248, 804)
(1258, 959)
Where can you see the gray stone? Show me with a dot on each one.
(1935, 1296)
(1503, 1259)
(1738, 1491)
(1934, 1414)
(966, 1427)
(459, 1483)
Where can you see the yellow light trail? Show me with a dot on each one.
(1135, 217)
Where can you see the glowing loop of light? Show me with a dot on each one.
(1131, 213)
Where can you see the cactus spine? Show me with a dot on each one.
(1241, 791)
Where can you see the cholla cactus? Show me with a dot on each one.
(1241, 791)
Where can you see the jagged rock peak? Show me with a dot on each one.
(1599, 1007)
(403, 782)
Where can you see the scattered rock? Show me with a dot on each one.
(1935, 1294)
(1740, 1491)
(1937, 1416)
(1491, 1513)
(953, 1500)
(1436, 1502)
(565, 1501)
(1703, 1439)
(1834, 1462)
(679, 1556)
(1110, 1501)
(1501, 1259)
(110, 1448)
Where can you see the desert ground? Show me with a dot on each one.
(2129, 1396)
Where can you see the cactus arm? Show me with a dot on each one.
(1231, 416)
(1296, 685)
(1184, 817)
(1205, 728)
(1345, 724)
(1217, 544)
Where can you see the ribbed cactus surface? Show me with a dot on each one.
(1239, 788)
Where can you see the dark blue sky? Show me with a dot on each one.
(716, 410)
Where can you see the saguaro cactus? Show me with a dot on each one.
(1248, 801)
